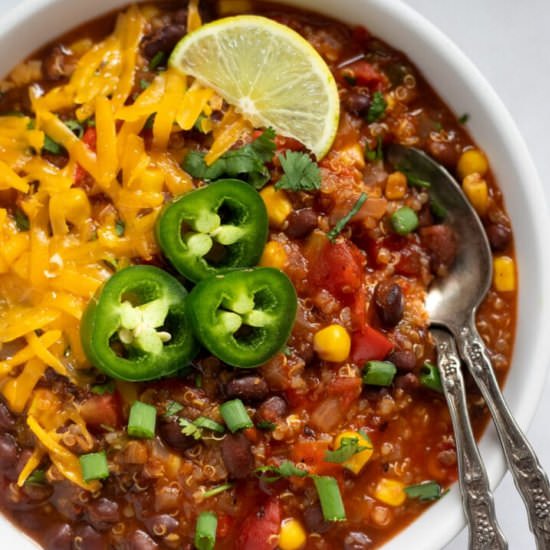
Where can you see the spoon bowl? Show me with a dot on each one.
(452, 299)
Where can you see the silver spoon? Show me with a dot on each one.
(452, 303)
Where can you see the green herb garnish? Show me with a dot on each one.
(217, 490)
(300, 172)
(464, 118)
(337, 229)
(21, 219)
(37, 477)
(120, 228)
(349, 446)
(286, 469)
(102, 389)
(427, 490)
(375, 154)
(377, 107)
(51, 146)
(156, 60)
(173, 408)
(76, 128)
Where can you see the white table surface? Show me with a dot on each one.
(510, 42)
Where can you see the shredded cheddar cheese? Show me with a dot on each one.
(75, 222)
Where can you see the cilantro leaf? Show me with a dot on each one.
(120, 228)
(247, 162)
(51, 146)
(337, 229)
(102, 389)
(286, 469)
(377, 107)
(464, 118)
(349, 446)
(22, 221)
(189, 429)
(173, 408)
(300, 172)
(75, 126)
(427, 490)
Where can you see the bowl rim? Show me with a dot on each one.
(465, 72)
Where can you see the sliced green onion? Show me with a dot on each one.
(379, 373)
(217, 490)
(235, 415)
(205, 532)
(430, 378)
(427, 490)
(37, 477)
(337, 229)
(404, 220)
(142, 421)
(156, 60)
(94, 466)
(330, 498)
(416, 181)
(209, 424)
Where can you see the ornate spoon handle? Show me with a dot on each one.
(529, 477)
(477, 499)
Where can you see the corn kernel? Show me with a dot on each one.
(390, 492)
(332, 343)
(352, 155)
(292, 535)
(357, 461)
(471, 161)
(396, 186)
(274, 255)
(504, 275)
(277, 204)
(475, 188)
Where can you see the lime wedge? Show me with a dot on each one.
(272, 75)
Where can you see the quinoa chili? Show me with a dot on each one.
(335, 437)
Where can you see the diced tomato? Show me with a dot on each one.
(312, 454)
(347, 389)
(369, 344)
(252, 435)
(225, 523)
(90, 139)
(367, 75)
(102, 410)
(288, 144)
(337, 267)
(259, 528)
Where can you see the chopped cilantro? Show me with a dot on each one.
(195, 428)
(337, 229)
(198, 123)
(427, 490)
(144, 84)
(217, 490)
(173, 408)
(51, 146)
(75, 126)
(102, 389)
(247, 162)
(286, 469)
(377, 107)
(21, 220)
(156, 60)
(349, 77)
(375, 154)
(149, 123)
(300, 172)
(349, 446)
(464, 118)
(120, 228)
(38, 477)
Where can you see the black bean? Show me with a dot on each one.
(441, 242)
(315, 522)
(403, 359)
(499, 236)
(87, 538)
(103, 513)
(170, 432)
(301, 223)
(272, 410)
(163, 40)
(59, 537)
(7, 420)
(139, 540)
(247, 388)
(444, 152)
(357, 101)
(9, 452)
(356, 540)
(237, 455)
(407, 381)
(161, 525)
(389, 303)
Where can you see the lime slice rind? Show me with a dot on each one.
(272, 75)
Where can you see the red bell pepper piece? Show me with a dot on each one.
(90, 139)
(369, 344)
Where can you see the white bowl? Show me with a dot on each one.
(35, 22)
